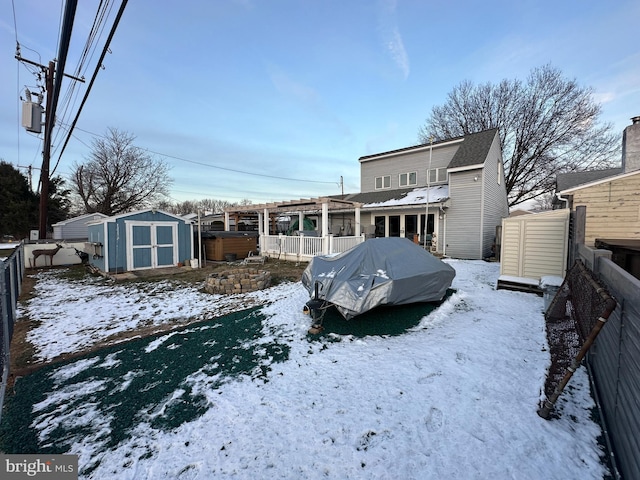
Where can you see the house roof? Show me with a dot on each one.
(473, 146)
(400, 197)
(412, 148)
(566, 181)
(474, 149)
(612, 178)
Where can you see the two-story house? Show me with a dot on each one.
(451, 189)
(450, 193)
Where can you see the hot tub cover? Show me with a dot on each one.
(379, 271)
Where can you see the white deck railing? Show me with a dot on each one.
(304, 247)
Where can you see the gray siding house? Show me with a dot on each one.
(464, 194)
(75, 228)
(449, 195)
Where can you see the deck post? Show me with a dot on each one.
(301, 245)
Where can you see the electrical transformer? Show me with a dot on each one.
(32, 117)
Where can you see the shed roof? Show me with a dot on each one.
(129, 214)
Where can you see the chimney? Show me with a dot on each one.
(631, 146)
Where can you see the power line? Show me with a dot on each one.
(93, 78)
(97, 28)
(15, 23)
(244, 172)
(263, 175)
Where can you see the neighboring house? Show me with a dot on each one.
(139, 240)
(212, 222)
(75, 228)
(611, 197)
(612, 202)
(467, 196)
(613, 206)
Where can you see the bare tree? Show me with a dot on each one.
(547, 125)
(119, 177)
(209, 205)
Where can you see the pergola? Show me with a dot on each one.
(268, 212)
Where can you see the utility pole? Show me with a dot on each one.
(46, 153)
(49, 73)
(53, 84)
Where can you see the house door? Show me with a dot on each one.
(394, 225)
(410, 226)
(151, 245)
(430, 228)
(380, 226)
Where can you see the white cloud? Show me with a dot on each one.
(391, 36)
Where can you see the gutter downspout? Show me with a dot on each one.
(444, 231)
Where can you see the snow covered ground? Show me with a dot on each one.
(453, 397)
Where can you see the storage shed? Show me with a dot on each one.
(75, 228)
(139, 240)
(221, 246)
(533, 246)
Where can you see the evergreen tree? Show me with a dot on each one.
(18, 205)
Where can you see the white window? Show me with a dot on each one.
(383, 182)
(408, 179)
(437, 175)
(499, 172)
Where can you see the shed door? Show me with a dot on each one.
(152, 245)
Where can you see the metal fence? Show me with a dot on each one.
(574, 320)
(11, 274)
(614, 362)
(614, 359)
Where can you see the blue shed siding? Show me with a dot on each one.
(116, 244)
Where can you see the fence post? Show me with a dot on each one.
(578, 237)
(301, 246)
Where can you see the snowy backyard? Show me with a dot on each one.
(246, 393)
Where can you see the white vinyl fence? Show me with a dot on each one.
(304, 247)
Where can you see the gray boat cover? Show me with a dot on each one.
(379, 271)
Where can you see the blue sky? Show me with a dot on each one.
(276, 100)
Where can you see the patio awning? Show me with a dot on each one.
(301, 205)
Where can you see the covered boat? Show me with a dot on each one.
(379, 271)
